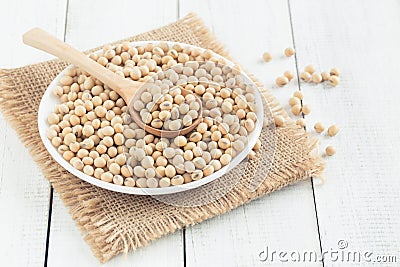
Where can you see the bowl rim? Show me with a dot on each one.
(45, 109)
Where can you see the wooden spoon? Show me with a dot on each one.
(126, 88)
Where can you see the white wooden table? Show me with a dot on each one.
(360, 201)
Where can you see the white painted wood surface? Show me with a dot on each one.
(24, 193)
(359, 202)
(66, 240)
(16, 17)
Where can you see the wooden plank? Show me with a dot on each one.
(360, 201)
(66, 240)
(19, 16)
(24, 193)
(281, 221)
(111, 21)
(85, 30)
(284, 220)
(24, 200)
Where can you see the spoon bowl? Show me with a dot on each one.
(166, 133)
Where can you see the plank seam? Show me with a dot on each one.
(178, 16)
(184, 245)
(178, 9)
(301, 102)
(46, 255)
(294, 47)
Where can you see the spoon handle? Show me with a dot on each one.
(44, 41)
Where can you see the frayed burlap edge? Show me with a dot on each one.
(102, 233)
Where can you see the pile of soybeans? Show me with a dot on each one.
(93, 131)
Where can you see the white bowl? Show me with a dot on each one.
(49, 101)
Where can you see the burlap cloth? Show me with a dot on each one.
(113, 222)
